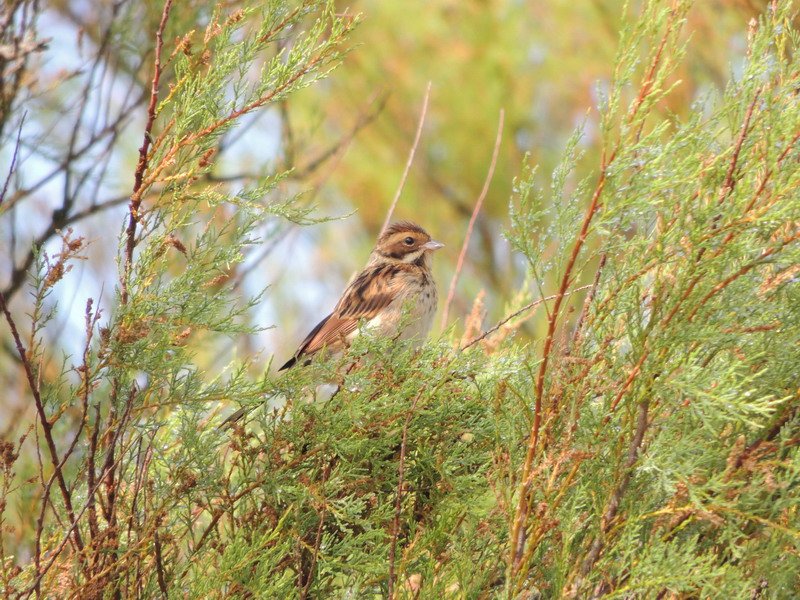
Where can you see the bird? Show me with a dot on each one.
(394, 296)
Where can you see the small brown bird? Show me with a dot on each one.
(397, 278)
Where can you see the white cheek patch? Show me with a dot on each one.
(413, 256)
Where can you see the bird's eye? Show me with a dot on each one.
(409, 241)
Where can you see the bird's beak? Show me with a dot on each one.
(432, 245)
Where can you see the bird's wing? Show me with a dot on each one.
(373, 290)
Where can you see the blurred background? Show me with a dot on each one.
(74, 93)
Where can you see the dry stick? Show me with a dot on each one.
(452, 291)
(616, 497)
(517, 313)
(47, 427)
(162, 581)
(314, 556)
(136, 197)
(398, 501)
(91, 321)
(55, 553)
(410, 157)
(13, 159)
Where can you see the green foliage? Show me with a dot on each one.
(681, 373)
(646, 447)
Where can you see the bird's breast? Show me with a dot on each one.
(410, 314)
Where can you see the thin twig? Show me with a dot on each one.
(136, 196)
(609, 515)
(59, 221)
(47, 426)
(587, 303)
(410, 157)
(452, 291)
(54, 554)
(13, 165)
(517, 313)
(365, 118)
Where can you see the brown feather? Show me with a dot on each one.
(373, 293)
(364, 298)
(395, 289)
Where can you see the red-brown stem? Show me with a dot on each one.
(452, 291)
(257, 103)
(763, 184)
(614, 501)
(725, 191)
(269, 36)
(647, 86)
(47, 428)
(138, 178)
(730, 181)
(410, 160)
(628, 382)
(517, 540)
(742, 271)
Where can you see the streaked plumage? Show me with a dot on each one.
(397, 275)
(397, 278)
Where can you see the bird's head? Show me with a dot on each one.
(405, 242)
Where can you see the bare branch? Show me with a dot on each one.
(517, 313)
(136, 198)
(47, 427)
(13, 165)
(452, 291)
(410, 160)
